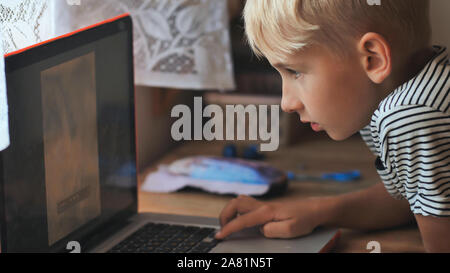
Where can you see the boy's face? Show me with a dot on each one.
(336, 95)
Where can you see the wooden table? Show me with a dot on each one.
(312, 155)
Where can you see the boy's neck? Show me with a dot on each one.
(412, 65)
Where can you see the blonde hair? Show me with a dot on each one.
(282, 27)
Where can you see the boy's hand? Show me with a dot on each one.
(277, 219)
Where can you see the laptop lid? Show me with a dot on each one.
(70, 170)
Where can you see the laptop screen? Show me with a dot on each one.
(71, 165)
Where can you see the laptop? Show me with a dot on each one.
(68, 180)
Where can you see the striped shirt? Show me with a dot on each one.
(410, 135)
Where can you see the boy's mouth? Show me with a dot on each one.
(316, 127)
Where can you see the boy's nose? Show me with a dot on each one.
(291, 104)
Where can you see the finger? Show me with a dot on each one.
(256, 217)
(283, 229)
(241, 204)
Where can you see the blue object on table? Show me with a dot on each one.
(252, 153)
(220, 170)
(339, 176)
(220, 175)
(230, 151)
(342, 177)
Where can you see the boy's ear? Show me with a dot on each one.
(375, 55)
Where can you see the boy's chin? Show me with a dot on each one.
(339, 136)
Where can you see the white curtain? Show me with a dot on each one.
(25, 22)
(177, 43)
(4, 126)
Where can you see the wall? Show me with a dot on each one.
(440, 19)
(153, 125)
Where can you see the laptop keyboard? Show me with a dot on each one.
(165, 238)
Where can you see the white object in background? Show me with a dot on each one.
(25, 22)
(163, 181)
(4, 125)
(22, 23)
(177, 43)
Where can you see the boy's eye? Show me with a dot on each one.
(293, 72)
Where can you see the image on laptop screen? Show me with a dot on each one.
(70, 145)
(71, 166)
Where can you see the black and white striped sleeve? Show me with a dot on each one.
(415, 157)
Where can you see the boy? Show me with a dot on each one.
(349, 66)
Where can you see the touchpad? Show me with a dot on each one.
(251, 240)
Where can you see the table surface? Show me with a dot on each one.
(312, 155)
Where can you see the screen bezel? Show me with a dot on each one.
(60, 45)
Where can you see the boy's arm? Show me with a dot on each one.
(435, 233)
(369, 209)
(383, 211)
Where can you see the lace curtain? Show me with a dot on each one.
(4, 126)
(25, 22)
(177, 43)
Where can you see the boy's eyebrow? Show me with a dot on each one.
(285, 65)
(281, 65)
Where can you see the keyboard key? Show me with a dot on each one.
(164, 238)
(181, 249)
